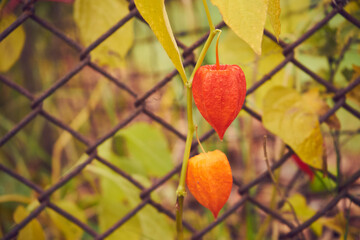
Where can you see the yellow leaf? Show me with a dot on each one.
(303, 212)
(312, 102)
(69, 229)
(245, 18)
(352, 7)
(236, 51)
(338, 224)
(286, 115)
(33, 230)
(14, 198)
(274, 16)
(296, 17)
(93, 18)
(155, 15)
(12, 45)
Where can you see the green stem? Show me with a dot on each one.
(179, 213)
(212, 27)
(202, 54)
(335, 136)
(181, 190)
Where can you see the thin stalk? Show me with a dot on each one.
(347, 222)
(217, 51)
(202, 54)
(335, 136)
(212, 27)
(198, 140)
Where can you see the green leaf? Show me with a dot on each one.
(245, 18)
(33, 230)
(274, 16)
(119, 196)
(93, 17)
(155, 225)
(155, 15)
(293, 118)
(130, 166)
(322, 184)
(148, 145)
(12, 45)
(68, 228)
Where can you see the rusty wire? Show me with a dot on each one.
(35, 104)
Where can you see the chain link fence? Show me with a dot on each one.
(139, 102)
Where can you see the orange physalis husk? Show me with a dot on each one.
(219, 92)
(209, 179)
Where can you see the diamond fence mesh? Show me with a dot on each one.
(291, 229)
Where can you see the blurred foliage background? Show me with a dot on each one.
(34, 58)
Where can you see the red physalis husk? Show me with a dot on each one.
(219, 92)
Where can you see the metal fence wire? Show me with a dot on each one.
(36, 102)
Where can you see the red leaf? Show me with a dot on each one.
(12, 4)
(303, 166)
